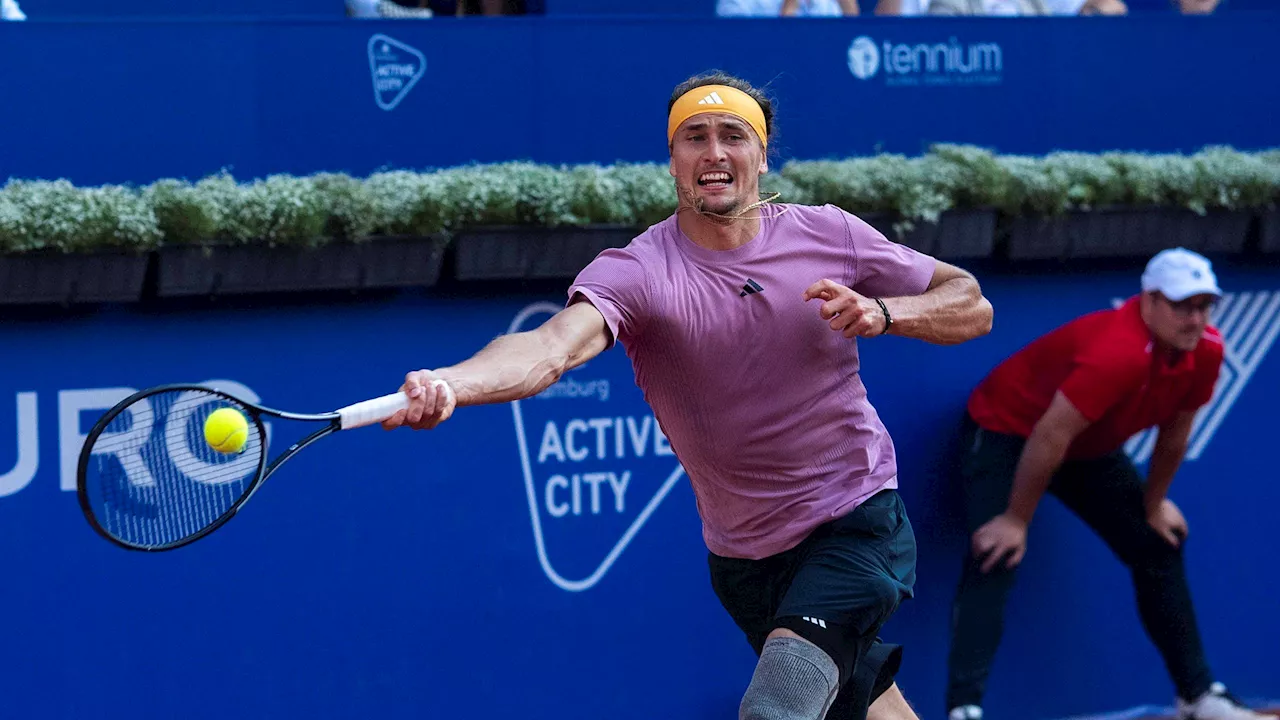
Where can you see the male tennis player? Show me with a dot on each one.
(1054, 417)
(740, 319)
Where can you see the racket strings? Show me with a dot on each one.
(152, 480)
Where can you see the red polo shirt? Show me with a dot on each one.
(1103, 363)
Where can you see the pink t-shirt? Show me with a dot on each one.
(760, 399)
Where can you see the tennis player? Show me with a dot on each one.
(740, 318)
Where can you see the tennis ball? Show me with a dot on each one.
(226, 430)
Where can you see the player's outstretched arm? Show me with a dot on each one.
(511, 367)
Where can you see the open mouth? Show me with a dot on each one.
(715, 179)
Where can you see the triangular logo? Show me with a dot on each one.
(596, 466)
(712, 99)
(750, 288)
(1249, 323)
(395, 68)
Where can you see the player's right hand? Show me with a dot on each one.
(431, 402)
(846, 311)
(1004, 537)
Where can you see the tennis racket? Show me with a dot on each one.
(147, 479)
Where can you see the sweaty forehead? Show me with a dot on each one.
(706, 120)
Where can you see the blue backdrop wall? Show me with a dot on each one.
(137, 101)
(438, 575)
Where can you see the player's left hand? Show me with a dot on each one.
(846, 311)
(1167, 520)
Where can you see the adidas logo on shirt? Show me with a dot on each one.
(751, 287)
(712, 99)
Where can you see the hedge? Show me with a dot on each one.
(283, 210)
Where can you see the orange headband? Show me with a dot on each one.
(717, 98)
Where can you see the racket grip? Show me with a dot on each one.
(372, 411)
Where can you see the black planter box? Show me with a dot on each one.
(1269, 231)
(381, 262)
(1126, 232)
(45, 277)
(921, 236)
(958, 234)
(507, 253)
(966, 234)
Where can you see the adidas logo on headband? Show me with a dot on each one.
(712, 99)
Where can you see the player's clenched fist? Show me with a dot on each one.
(431, 402)
(847, 311)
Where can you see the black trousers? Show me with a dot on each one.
(1107, 494)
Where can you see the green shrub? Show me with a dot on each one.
(302, 211)
(36, 215)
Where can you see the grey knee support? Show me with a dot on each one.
(794, 680)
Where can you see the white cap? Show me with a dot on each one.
(1179, 274)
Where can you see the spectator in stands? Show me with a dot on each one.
(1087, 7)
(902, 7)
(9, 10)
(1103, 7)
(476, 7)
(431, 8)
(815, 8)
(1196, 7)
(1012, 8)
(786, 8)
(407, 9)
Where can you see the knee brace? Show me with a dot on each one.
(794, 680)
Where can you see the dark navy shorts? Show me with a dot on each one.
(851, 574)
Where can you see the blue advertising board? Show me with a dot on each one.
(138, 101)
(544, 559)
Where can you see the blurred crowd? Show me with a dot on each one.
(1005, 8)
(433, 8)
(811, 8)
(10, 9)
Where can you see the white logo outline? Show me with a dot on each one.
(373, 68)
(522, 442)
(863, 57)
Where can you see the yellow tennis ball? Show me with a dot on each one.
(226, 430)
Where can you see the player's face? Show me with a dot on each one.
(1178, 324)
(718, 160)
